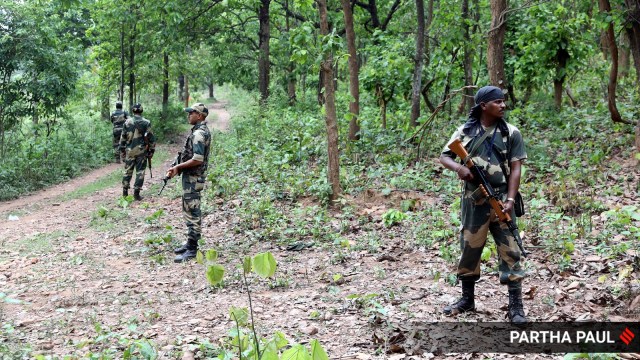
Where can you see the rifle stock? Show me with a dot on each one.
(488, 191)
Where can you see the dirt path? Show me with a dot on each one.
(89, 272)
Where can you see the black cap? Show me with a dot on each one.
(118, 104)
(137, 108)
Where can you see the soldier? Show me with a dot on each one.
(193, 166)
(118, 118)
(137, 143)
(498, 148)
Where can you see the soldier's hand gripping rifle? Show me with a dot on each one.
(481, 179)
(165, 179)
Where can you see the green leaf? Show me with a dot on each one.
(240, 315)
(486, 254)
(215, 273)
(317, 352)
(280, 339)
(269, 354)
(297, 352)
(246, 265)
(199, 257)
(211, 255)
(264, 264)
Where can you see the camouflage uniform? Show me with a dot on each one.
(197, 148)
(478, 218)
(118, 118)
(133, 143)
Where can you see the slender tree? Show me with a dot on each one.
(263, 60)
(354, 85)
(419, 63)
(495, 51)
(467, 56)
(605, 7)
(333, 173)
(633, 32)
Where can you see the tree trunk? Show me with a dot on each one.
(122, 55)
(333, 173)
(291, 77)
(263, 61)
(181, 87)
(605, 7)
(625, 55)
(104, 106)
(321, 96)
(562, 57)
(165, 86)
(572, 98)
(633, 32)
(468, 58)
(186, 91)
(495, 51)
(132, 76)
(558, 88)
(419, 63)
(210, 86)
(354, 84)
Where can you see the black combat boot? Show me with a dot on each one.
(516, 309)
(125, 192)
(181, 249)
(136, 195)
(465, 303)
(185, 256)
(189, 252)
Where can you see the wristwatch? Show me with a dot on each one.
(511, 199)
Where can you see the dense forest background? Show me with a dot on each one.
(339, 112)
(392, 63)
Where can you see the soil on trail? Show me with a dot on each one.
(84, 262)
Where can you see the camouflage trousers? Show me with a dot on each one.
(478, 219)
(191, 187)
(117, 131)
(139, 163)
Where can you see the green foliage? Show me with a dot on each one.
(264, 264)
(393, 217)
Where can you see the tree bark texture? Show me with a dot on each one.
(495, 51)
(165, 85)
(419, 63)
(186, 91)
(562, 57)
(263, 60)
(633, 31)
(333, 173)
(122, 55)
(291, 77)
(354, 84)
(625, 55)
(181, 87)
(468, 57)
(132, 75)
(605, 6)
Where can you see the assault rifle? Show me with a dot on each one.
(481, 179)
(165, 179)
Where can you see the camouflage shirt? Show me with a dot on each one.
(132, 139)
(118, 118)
(197, 148)
(493, 159)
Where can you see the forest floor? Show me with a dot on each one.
(81, 277)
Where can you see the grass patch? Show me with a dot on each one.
(34, 245)
(115, 177)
